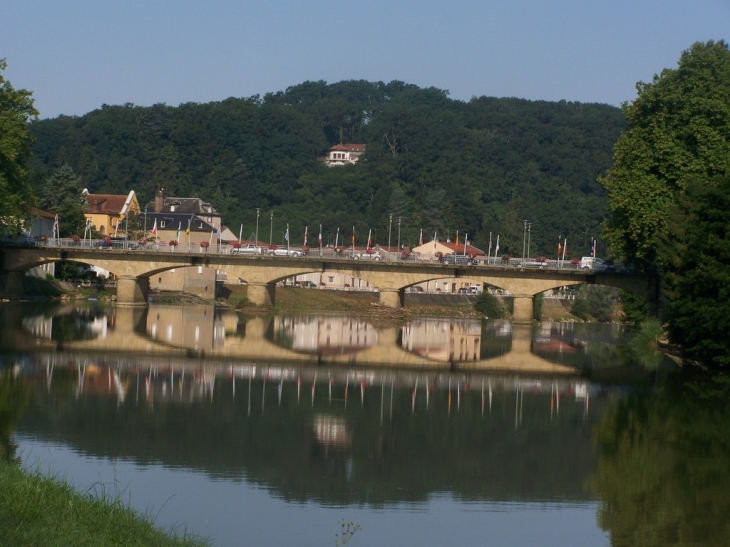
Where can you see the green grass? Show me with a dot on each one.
(41, 511)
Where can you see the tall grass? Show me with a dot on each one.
(42, 511)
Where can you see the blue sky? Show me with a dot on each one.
(76, 55)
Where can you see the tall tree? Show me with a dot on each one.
(16, 111)
(679, 131)
(698, 279)
(62, 196)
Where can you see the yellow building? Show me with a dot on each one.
(108, 211)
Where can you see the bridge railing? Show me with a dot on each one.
(328, 253)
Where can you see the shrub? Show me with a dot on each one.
(490, 306)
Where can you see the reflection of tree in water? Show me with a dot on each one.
(77, 326)
(14, 397)
(663, 469)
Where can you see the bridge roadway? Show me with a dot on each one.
(133, 269)
(129, 335)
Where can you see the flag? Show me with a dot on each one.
(177, 232)
(218, 232)
(457, 237)
(369, 232)
(187, 230)
(116, 229)
(286, 234)
(594, 248)
(496, 249)
(434, 242)
(353, 236)
(55, 227)
(420, 239)
(154, 229)
(305, 235)
(466, 242)
(560, 248)
(319, 238)
(565, 247)
(490, 242)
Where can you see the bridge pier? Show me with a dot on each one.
(393, 298)
(262, 294)
(132, 291)
(11, 284)
(524, 308)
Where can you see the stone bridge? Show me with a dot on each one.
(133, 269)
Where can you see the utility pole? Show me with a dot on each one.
(390, 226)
(257, 226)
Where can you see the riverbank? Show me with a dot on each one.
(38, 510)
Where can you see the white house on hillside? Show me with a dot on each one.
(344, 154)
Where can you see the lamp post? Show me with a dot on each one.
(390, 226)
(145, 221)
(257, 226)
(271, 231)
(524, 239)
(399, 219)
(529, 227)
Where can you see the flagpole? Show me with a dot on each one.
(240, 232)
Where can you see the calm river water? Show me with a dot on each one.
(259, 431)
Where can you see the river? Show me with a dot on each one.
(256, 430)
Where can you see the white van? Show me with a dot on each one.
(592, 263)
(475, 289)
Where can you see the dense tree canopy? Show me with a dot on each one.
(679, 132)
(16, 111)
(62, 195)
(434, 163)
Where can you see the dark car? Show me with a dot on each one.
(458, 259)
(103, 244)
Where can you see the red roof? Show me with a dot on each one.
(109, 204)
(348, 148)
(459, 249)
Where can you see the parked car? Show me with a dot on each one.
(247, 249)
(375, 255)
(592, 263)
(308, 285)
(283, 251)
(454, 258)
(103, 244)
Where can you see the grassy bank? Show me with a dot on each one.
(39, 511)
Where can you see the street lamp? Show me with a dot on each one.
(524, 238)
(145, 221)
(399, 219)
(271, 231)
(390, 226)
(529, 226)
(257, 226)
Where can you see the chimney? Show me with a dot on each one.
(159, 200)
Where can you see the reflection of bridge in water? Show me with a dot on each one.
(206, 334)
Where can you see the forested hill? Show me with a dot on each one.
(439, 164)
